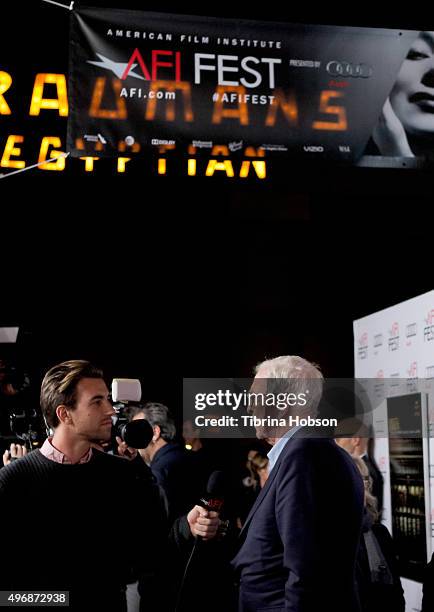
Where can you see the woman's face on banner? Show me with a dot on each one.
(412, 96)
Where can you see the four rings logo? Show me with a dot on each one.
(346, 69)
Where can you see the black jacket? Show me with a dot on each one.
(378, 597)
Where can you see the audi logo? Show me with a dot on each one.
(345, 69)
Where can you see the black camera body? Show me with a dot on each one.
(19, 421)
(127, 392)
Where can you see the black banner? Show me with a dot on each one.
(141, 81)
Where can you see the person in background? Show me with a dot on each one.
(377, 576)
(171, 465)
(257, 467)
(191, 437)
(16, 451)
(355, 437)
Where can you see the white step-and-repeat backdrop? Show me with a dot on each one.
(398, 344)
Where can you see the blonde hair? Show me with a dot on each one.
(370, 500)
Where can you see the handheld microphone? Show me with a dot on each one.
(213, 499)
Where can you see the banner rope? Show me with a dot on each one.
(69, 8)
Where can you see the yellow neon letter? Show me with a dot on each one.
(225, 166)
(161, 165)
(88, 163)
(191, 167)
(12, 150)
(122, 162)
(53, 141)
(5, 83)
(38, 102)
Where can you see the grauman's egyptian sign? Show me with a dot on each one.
(39, 138)
(139, 80)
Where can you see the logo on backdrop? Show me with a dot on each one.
(410, 333)
(429, 371)
(378, 340)
(428, 330)
(412, 370)
(412, 377)
(362, 351)
(394, 337)
(346, 69)
(177, 79)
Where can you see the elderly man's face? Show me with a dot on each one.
(256, 407)
(261, 410)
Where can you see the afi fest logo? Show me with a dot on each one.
(394, 337)
(363, 346)
(410, 332)
(412, 377)
(412, 370)
(428, 330)
(379, 384)
(150, 70)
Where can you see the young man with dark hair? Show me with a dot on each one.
(65, 508)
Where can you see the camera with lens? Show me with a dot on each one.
(12, 380)
(19, 421)
(126, 393)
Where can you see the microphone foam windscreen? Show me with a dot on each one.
(216, 484)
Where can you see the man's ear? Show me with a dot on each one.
(157, 433)
(356, 442)
(62, 413)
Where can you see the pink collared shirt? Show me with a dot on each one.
(51, 452)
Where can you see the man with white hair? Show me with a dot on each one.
(300, 540)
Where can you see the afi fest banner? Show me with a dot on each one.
(141, 80)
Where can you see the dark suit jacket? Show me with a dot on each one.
(175, 472)
(377, 596)
(300, 540)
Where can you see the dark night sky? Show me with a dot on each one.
(163, 278)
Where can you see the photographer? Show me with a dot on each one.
(66, 503)
(16, 451)
(173, 468)
(20, 426)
